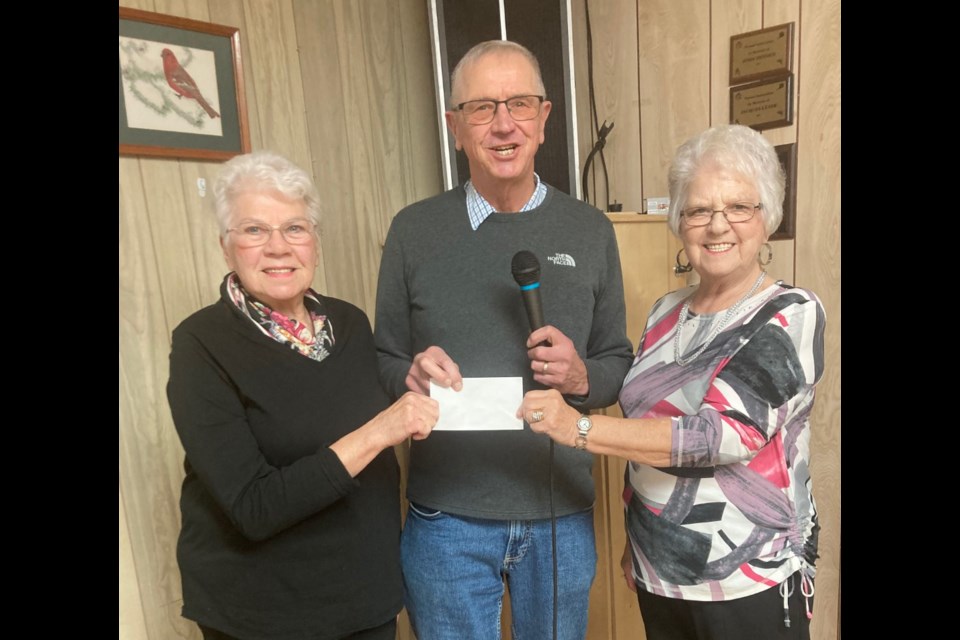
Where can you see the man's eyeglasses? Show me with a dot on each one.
(253, 233)
(520, 108)
(734, 213)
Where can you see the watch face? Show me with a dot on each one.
(584, 424)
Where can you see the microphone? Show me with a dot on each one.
(526, 272)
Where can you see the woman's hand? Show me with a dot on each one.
(412, 416)
(626, 563)
(547, 412)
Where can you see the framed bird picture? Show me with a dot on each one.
(181, 88)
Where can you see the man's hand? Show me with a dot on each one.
(557, 365)
(433, 364)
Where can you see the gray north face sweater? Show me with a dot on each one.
(444, 284)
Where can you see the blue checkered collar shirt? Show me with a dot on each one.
(478, 209)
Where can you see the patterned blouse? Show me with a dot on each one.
(734, 513)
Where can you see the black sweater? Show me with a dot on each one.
(278, 541)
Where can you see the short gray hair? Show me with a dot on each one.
(489, 47)
(259, 171)
(736, 148)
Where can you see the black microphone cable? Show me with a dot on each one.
(598, 146)
(553, 543)
(601, 132)
(526, 272)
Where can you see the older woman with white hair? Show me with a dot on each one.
(721, 521)
(290, 504)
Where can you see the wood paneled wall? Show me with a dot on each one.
(346, 89)
(661, 71)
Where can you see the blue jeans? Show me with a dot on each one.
(454, 567)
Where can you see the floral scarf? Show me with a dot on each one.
(288, 331)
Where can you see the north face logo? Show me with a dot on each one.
(562, 259)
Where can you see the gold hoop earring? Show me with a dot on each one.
(680, 269)
(769, 259)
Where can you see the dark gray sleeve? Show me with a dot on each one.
(392, 325)
(260, 499)
(609, 352)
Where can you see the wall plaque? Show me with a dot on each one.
(763, 105)
(761, 54)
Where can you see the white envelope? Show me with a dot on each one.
(484, 404)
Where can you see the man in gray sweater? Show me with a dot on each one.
(448, 308)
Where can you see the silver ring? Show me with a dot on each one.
(545, 365)
(536, 416)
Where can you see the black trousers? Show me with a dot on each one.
(756, 617)
(386, 631)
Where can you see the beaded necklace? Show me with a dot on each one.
(685, 312)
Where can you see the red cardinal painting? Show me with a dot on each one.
(181, 82)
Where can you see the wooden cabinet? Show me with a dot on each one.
(648, 252)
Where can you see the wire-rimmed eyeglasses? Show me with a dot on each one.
(520, 108)
(734, 213)
(253, 233)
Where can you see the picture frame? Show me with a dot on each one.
(787, 153)
(181, 88)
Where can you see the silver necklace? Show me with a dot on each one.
(717, 328)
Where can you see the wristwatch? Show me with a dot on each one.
(584, 424)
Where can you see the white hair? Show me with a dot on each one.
(258, 171)
(489, 47)
(736, 148)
